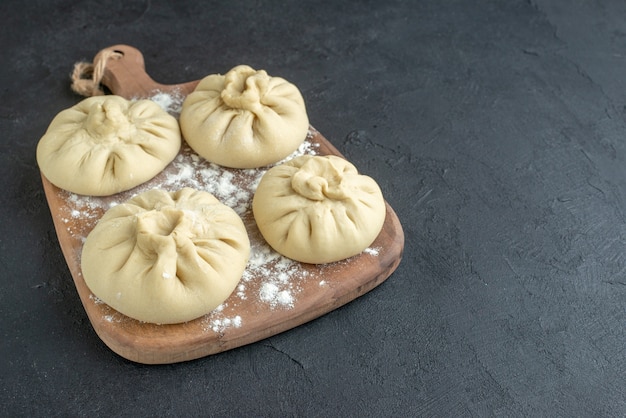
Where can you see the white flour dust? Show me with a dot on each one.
(217, 322)
(372, 251)
(170, 102)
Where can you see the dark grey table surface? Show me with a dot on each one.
(496, 130)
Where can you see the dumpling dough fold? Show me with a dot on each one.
(318, 209)
(244, 119)
(166, 257)
(106, 144)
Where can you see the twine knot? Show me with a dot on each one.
(87, 77)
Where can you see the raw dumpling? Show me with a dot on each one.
(318, 209)
(166, 257)
(107, 144)
(244, 119)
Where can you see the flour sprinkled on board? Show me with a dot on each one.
(217, 322)
(372, 251)
(170, 102)
(96, 299)
(271, 293)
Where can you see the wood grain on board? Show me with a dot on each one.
(323, 289)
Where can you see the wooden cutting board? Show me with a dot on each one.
(275, 294)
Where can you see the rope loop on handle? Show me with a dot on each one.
(86, 77)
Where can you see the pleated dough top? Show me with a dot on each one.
(318, 209)
(166, 257)
(244, 119)
(106, 144)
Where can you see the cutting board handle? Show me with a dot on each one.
(125, 74)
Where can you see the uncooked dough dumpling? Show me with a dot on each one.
(107, 144)
(244, 119)
(318, 209)
(166, 257)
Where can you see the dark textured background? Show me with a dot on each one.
(496, 131)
